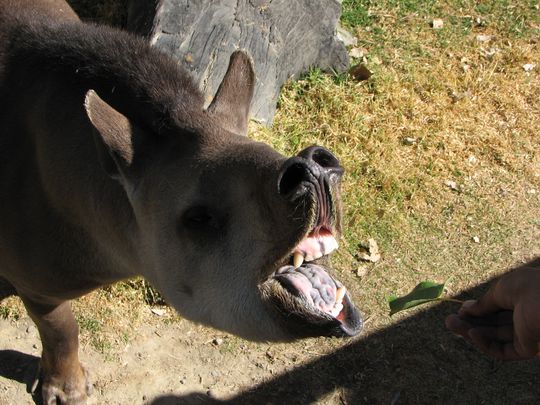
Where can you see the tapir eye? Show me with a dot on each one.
(201, 221)
(197, 217)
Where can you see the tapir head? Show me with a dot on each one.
(232, 233)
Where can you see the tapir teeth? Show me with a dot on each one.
(298, 259)
(340, 293)
(317, 244)
(338, 305)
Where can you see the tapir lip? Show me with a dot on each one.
(297, 309)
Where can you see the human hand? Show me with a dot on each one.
(505, 322)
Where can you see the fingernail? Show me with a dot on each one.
(466, 306)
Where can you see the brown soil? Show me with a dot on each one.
(414, 361)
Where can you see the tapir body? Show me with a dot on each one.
(111, 167)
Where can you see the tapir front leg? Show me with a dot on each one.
(63, 378)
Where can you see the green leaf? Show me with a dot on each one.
(423, 293)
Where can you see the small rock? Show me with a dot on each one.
(34, 346)
(484, 38)
(528, 67)
(211, 394)
(158, 311)
(361, 271)
(465, 64)
(376, 61)
(479, 22)
(217, 341)
(531, 191)
(215, 374)
(472, 160)
(451, 184)
(346, 37)
(476, 239)
(455, 96)
(437, 23)
(270, 354)
(370, 253)
(357, 53)
(490, 53)
(409, 141)
(360, 72)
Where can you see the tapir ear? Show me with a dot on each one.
(115, 135)
(233, 98)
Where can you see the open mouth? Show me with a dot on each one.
(311, 281)
(313, 295)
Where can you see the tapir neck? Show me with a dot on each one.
(51, 159)
(48, 159)
(69, 179)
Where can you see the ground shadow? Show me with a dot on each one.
(6, 289)
(20, 367)
(415, 361)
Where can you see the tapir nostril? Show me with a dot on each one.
(313, 165)
(325, 158)
(294, 173)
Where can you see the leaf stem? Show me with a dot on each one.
(449, 300)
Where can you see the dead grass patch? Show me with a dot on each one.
(441, 106)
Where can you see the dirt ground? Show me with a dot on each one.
(161, 360)
(414, 361)
(165, 363)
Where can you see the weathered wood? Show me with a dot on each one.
(285, 38)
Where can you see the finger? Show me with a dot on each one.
(487, 304)
(495, 319)
(501, 334)
(457, 325)
(505, 318)
(526, 348)
(496, 349)
(526, 340)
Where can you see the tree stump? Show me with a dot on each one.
(284, 38)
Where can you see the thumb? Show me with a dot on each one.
(487, 304)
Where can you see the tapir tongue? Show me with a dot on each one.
(315, 285)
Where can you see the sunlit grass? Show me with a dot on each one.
(442, 105)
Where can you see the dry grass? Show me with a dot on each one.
(473, 115)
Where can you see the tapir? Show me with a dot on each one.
(112, 167)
